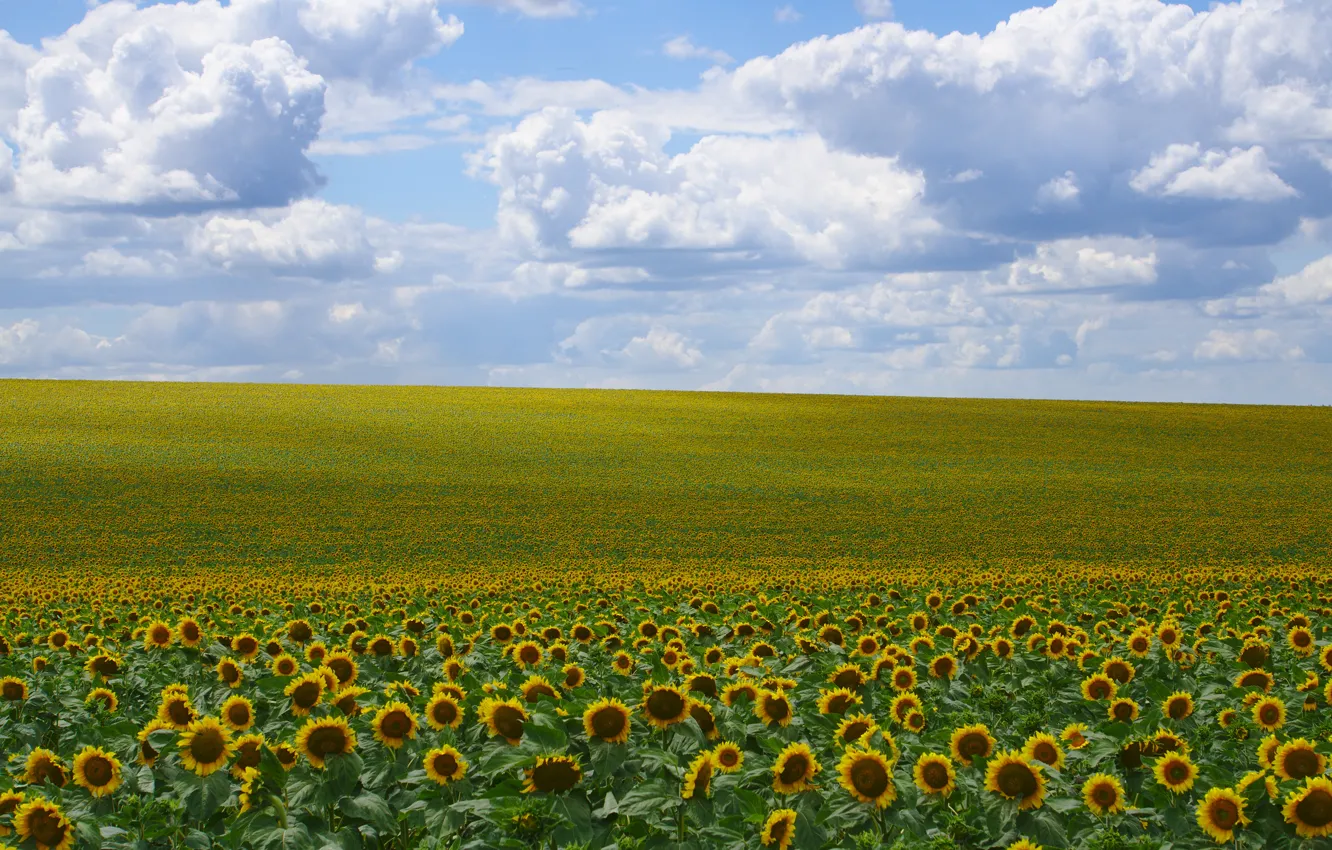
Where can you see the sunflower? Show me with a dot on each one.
(666, 705)
(230, 672)
(344, 666)
(1220, 812)
(1255, 679)
(970, 742)
(526, 654)
(1176, 772)
(9, 801)
(698, 778)
(237, 713)
(702, 715)
(97, 770)
(915, 721)
(1012, 777)
(868, 776)
(794, 768)
(158, 635)
(147, 755)
(503, 718)
(1269, 713)
(737, 691)
(608, 720)
(246, 646)
(728, 757)
(13, 689)
(345, 700)
(45, 824)
(1075, 735)
(847, 676)
(189, 632)
(443, 712)
(205, 746)
(394, 723)
(934, 774)
(904, 679)
(1310, 808)
(105, 697)
(249, 752)
(176, 710)
(284, 665)
(1044, 748)
(1297, 760)
(1301, 641)
(444, 765)
(837, 701)
(286, 755)
(305, 692)
(320, 738)
(1178, 705)
(854, 727)
(779, 829)
(1118, 669)
(553, 775)
(773, 708)
(1103, 794)
(42, 766)
(102, 667)
(904, 704)
(1099, 686)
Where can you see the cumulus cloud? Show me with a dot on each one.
(682, 47)
(1074, 264)
(1237, 174)
(1310, 287)
(311, 238)
(6, 169)
(1258, 344)
(660, 346)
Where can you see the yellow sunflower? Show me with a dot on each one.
(42, 766)
(1103, 794)
(1297, 759)
(1122, 709)
(43, 822)
(230, 672)
(1044, 748)
(794, 768)
(249, 752)
(444, 765)
(1176, 772)
(848, 676)
(205, 746)
(97, 770)
(666, 705)
(147, 755)
(608, 720)
(237, 713)
(837, 701)
(176, 710)
(868, 776)
(779, 829)
(773, 708)
(320, 738)
(728, 757)
(105, 697)
(1220, 813)
(394, 723)
(970, 742)
(305, 692)
(1309, 808)
(503, 718)
(1012, 777)
(1075, 735)
(553, 775)
(443, 712)
(934, 774)
(1269, 713)
(854, 727)
(698, 778)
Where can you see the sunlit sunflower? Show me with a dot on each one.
(344, 666)
(666, 705)
(42, 822)
(503, 718)
(1044, 748)
(102, 667)
(394, 723)
(1309, 808)
(1301, 641)
(246, 646)
(205, 746)
(847, 676)
(1075, 735)
(702, 715)
(104, 697)
(868, 776)
(284, 665)
(1099, 686)
(249, 752)
(1297, 759)
(903, 704)
(1010, 776)
(1220, 813)
(698, 777)
(934, 774)
(1269, 713)
(553, 775)
(305, 692)
(9, 801)
(854, 727)
(158, 635)
(444, 765)
(526, 654)
(286, 754)
(773, 708)
(97, 770)
(1178, 705)
(1255, 679)
(1103, 794)
(728, 756)
(915, 721)
(323, 737)
(794, 768)
(237, 713)
(230, 672)
(443, 712)
(778, 830)
(42, 766)
(345, 700)
(147, 755)
(608, 720)
(837, 700)
(1176, 772)
(738, 691)
(188, 632)
(176, 710)
(971, 742)
(1118, 669)
(903, 678)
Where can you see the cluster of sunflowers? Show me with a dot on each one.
(874, 710)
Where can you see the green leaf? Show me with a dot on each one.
(371, 808)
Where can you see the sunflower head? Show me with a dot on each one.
(394, 723)
(794, 768)
(43, 822)
(43, 766)
(698, 777)
(773, 708)
(1176, 772)
(1103, 794)
(1044, 748)
(664, 706)
(1269, 713)
(867, 776)
(503, 718)
(971, 742)
(322, 738)
(205, 746)
(553, 775)
(1220, 813)
(934, 774)
(1297, 759)
(444, 765)
(1309, 808)
(97, 770)
(728, 757)
(1011, 776)
(779, 829)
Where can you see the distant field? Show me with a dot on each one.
(170, 475)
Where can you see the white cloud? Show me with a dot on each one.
(1259, 344)
(310, 238)
(1074, 264)
(535, 8)
(787, 14)
(6, 169)
(109, 262)
(681, 47)
(14, 61)
(1059, 191)
(1310, 287)
(660, 346)
(875, 9)
(1187, 171)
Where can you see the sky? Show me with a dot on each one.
(1094, 199)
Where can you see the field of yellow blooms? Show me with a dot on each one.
(378, 619)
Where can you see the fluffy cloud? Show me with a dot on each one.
(311, 238)
(6, 169)
(1187, 171)
(1309, 288)
(1075, 264)
(535, 8)
(682, 47)
(1258, 344)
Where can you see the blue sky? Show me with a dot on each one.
(1088, 199)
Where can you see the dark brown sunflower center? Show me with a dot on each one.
(249, 755)
(286, 667)
(1118, 672)
(300, 632)
(1123, 711)
(1254, 656)
(98, 771)
(1016, 780)
(704, 685)
(537, 690)
(13, 691)
(665, 705)
(702, 778)
(247, 646)
(728, 758)
(1177, 772)
(555, 776)
(286, 756)
(48, 771)
(47, 827)
(106, 666)
(230, 673)
(1224, 813)
(973, 744)
(1316, 808)
(381, 647)
(794, 769)
(207, 746)
(849, 679)
(445, 764)
(1269, 714)
(306, 694)
(509, 721)
(1178, 709)
(327, 740)
(444, 713)
(1099, 689)
(1105, 795)
(703, 718)
(855, 730)
(608, 722)
(180, 712)
(777, 709)
(161, 634)
(396, 724)
(935, 775)
(239, 714)
(341, 668)
(190, 631)
(1302, 763)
